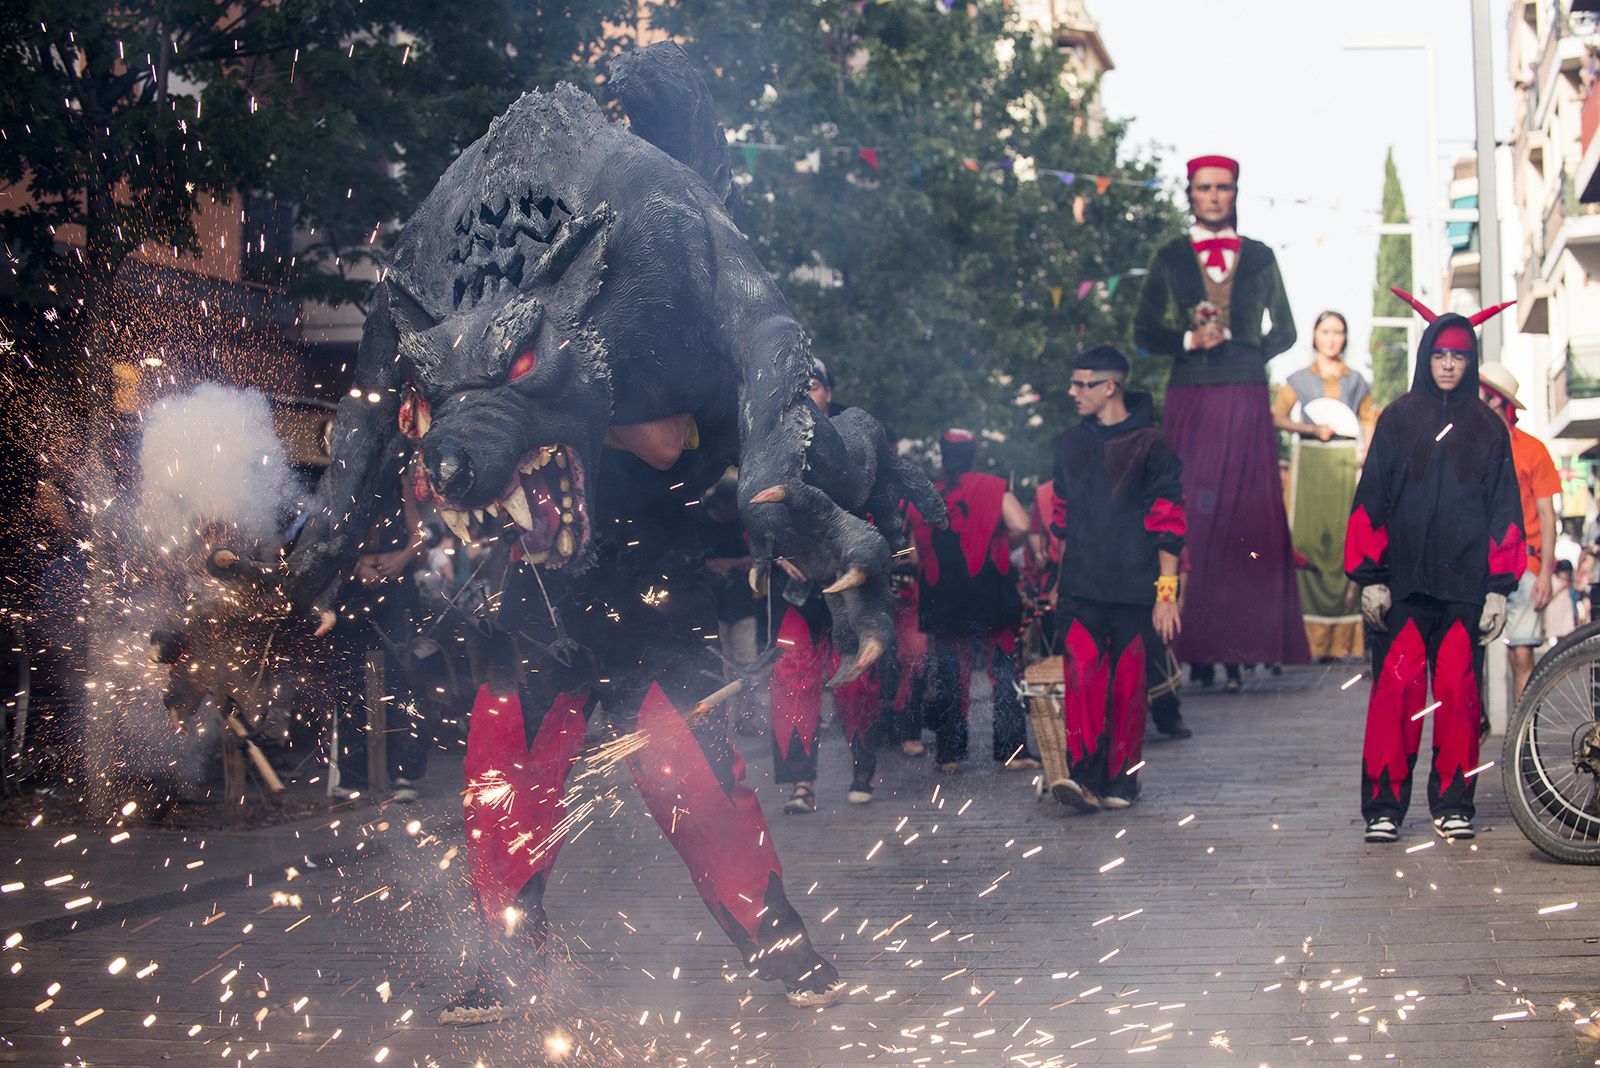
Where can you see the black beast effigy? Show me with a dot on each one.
(573, 342)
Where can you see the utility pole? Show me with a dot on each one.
(1497, 691)
(1488, 205)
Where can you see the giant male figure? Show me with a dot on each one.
(571, 345)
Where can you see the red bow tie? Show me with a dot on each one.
(1212, 248)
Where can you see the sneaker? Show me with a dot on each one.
(1382, 829)
(1454, 828)
(1075, 794)
(1177, 730)
(404, 795)
(912, 748)
(818, 987)
(949, 767)
(860, 793)
(1116, 801)
(484, 1003)
(803, 802)
(1023, 762)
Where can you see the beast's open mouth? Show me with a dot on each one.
(542, 510)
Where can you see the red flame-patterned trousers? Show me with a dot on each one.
(691, 778)
(806, 660)
(1423, 638)
(1104, 647)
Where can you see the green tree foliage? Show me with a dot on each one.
(927, 286)
(117, 117)
(1388, 344)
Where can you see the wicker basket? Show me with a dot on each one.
(1044, 687)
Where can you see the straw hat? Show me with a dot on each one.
(1503, 382)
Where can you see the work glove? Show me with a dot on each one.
(1493, 620)
(1375, 606)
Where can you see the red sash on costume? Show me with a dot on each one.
(974, 504)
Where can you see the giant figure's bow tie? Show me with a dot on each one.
(1212, 248)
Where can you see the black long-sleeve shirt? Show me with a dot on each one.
(1118, 502)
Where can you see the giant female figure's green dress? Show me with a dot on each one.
(1322, 482)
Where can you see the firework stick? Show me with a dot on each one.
(377, 725)
(259, 759)
(712, 701)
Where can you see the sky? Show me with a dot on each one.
(1270, 83)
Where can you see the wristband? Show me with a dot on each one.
(1167, 589)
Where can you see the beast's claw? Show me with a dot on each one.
(327, 618)
(871, 649)
(770, 495)
(848, 581)
(758, 582)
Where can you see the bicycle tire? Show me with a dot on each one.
(1538, 805)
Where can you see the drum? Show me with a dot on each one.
(1044, 687)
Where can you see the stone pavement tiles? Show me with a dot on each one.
(1233, 917)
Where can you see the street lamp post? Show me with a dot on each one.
(1435, 273)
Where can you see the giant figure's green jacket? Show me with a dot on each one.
(1175, 286)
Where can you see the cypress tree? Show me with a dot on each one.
(1388, 343)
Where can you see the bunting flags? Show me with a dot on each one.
(1024, 169)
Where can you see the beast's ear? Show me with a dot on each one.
(406, 309)
(583, 234)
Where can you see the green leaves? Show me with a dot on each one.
(926, 286)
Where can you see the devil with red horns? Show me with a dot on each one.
(1435, 540)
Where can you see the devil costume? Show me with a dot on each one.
(1118, 503)
(575, 342)
(1241, 602)
(806, 659)
(969, 607)
(1437, 519)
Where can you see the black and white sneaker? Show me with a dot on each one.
(1382, 829)
(818, 987)
(1075, 794)
(1454, 828)
(484, 1003)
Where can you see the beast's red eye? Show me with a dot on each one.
(523, 364)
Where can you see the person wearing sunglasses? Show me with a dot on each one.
(1119, 513)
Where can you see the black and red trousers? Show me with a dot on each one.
(1425, 640)
(1104, 650)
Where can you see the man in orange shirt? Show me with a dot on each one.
(1539, 483)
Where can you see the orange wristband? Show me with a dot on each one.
(1167, 589)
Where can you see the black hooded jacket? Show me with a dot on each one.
(1118, 501)
(1437, 510)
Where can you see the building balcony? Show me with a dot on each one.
(1587, 177)
(1568, 226)
(1575, 391)
(1465, 269)
(1533, 300)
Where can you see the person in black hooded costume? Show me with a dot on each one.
(1435, 540)
(1120, 517)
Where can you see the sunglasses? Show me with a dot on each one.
(1088, 383)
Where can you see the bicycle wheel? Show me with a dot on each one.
(1551, 761)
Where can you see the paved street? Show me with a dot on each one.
(1234, 917)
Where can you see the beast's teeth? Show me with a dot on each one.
(457, 522)
(566, 517)
(424, 420)
(530, 465)
(494, 509)
(566, 544)
(561, 459)
(566, 502)
(566, 485)
(517, 508)
(537, 558)
(477, 513)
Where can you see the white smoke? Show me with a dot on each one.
(211, 456)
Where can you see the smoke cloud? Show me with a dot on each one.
(211, 456)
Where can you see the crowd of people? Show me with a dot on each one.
(1417, 535)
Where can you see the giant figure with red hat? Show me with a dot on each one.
(1214, 302)
(1435, 540)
